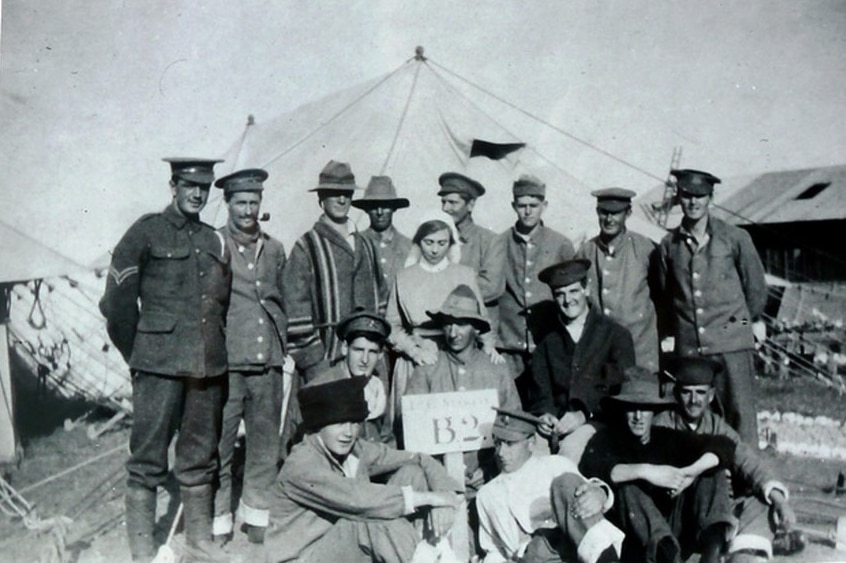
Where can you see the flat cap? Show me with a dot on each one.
(514, 425)
(336, 176)
(363, 321)
(461, 305)
(695, 182)
(196, 170)
(694, 371)
(333, 402)
(527, 184)
(248, 180)
(613, 199)
(565, 273)
(380, 192)
(455, 183)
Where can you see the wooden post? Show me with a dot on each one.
(8, 434)
(460, 534)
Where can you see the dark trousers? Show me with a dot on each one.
(649, 514)
(161, 406)
(735, 386)
(257, 398)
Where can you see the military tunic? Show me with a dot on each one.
(716, 289)
(165, 305)
(624, 281)
(393, 248)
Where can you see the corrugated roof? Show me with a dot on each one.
(770, 197)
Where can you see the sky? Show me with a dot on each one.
(93, 93)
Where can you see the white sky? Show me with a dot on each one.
(94, 92)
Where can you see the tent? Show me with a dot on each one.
(411, 124)
(50, 320)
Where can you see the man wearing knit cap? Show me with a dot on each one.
(178, 268)
(624, 273)
(759, 498)
(579, 361)
(255, 345)
(363, 335)
(540, 508)
(716, 292)
(462, 366)
(480, 248)
(670, 487)
(530, 246)
(380, 201)
(324, 506)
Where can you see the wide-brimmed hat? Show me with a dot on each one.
(380, 192)
(637, 393)
(336, 176)
(461, 305)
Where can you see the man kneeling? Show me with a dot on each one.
(540, 508)
(324, 506)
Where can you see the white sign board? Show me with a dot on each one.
(439, 423)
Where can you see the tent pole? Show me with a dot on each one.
(8, 433)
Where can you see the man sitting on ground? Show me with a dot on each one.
(755, 485)
(324, 506)
(540, 508)
(672, 495)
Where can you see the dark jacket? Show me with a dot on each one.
(568, 376)
(167, 295)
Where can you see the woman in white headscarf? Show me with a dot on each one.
(432, 271)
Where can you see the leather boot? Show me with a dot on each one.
(140, 522)
(197, 514)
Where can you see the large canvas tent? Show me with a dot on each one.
(411, 124)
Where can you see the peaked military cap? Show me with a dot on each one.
(380, 192)
(565, 273)
(613, 199)
(196, 170)
(514, 425)
(455, 183)
(461, 305)
(364, 321)
(249, 180)
(336, 176)
(527, 184)
(695, 182)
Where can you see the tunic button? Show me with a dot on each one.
(528, 294)
(697, 293)
(607, 311)
(605, 272)
(529, 245)
(260, 339)
(700, 311)
(258, 283)
(250, 266)
(169, 255)
(528, 280)
(260, 356)
(604, 291)
(196, 251)
(528, 262)
(382, 260)
(202, 274)
(204, 321)
(461, 371)
(261, 321)
(701, 329)
(241, 249)
(696, 275)
(261, 301)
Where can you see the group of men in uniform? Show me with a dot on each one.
(212, 322)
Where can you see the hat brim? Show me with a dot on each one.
(614, 206)
(336, 188)
(442, 317)
(620, 402)
(394, 203)
(510, 434)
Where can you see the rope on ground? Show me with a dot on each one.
(76, 467)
